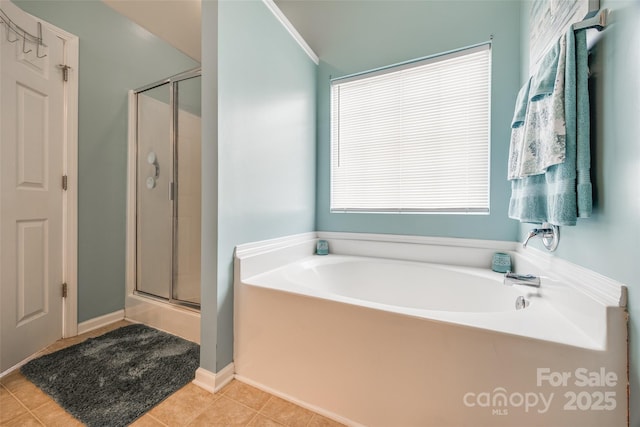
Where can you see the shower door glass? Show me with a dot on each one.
(154, 206)
(168, 190)
(186, 275)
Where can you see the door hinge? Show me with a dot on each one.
(64, 290)
(65, 72)
(64, 182)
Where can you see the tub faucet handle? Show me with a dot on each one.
(549, 233)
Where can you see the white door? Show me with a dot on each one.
(32, 132)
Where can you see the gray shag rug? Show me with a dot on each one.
(113, 379)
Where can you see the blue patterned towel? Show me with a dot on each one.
(563, 192)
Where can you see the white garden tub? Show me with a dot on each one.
(397, 285)
(379, 341)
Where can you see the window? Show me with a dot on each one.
(413, 137)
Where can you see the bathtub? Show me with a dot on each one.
(417, 287)
(371, 340)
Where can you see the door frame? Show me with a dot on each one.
(70, 169)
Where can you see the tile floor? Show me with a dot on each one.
(237, 404)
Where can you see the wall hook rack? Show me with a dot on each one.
(14, 30)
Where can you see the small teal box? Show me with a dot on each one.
(501, 262)
(322, 247)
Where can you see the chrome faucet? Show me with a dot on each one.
(549, 233)
(521, 279)
(543, 232)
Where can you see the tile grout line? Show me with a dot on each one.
(156, 419)
(23, 405)
(193, 418)
(37, 418)
(271, 396)
(238, 402)
(252, 418)
(32, 411)
(310, 419)
(257, 411)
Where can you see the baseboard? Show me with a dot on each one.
(19, 365)
(214, 382)
(316, 409)
(100, 321)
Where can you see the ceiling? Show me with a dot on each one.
(177, 22)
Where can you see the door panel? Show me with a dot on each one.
(31, 209)
(186, 285)
(154, 207)
(32, 140)
(33, 271)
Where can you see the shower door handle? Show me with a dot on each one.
(152, 159)
(171, 191)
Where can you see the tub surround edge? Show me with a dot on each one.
(584, 297)
(422, 240)
(266, 255)
(264, 246)
(443, 250)
(601, 288)
(447, 251)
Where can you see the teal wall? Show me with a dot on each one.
(266, 142)
(116, 55)
(609, 241)
(396, 31)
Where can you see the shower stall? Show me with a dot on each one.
(163, 263)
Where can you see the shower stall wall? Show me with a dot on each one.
(163, 265)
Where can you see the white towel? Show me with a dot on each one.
(540, 141)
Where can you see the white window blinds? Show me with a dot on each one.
(413, 137)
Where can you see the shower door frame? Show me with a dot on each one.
(132, 199)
